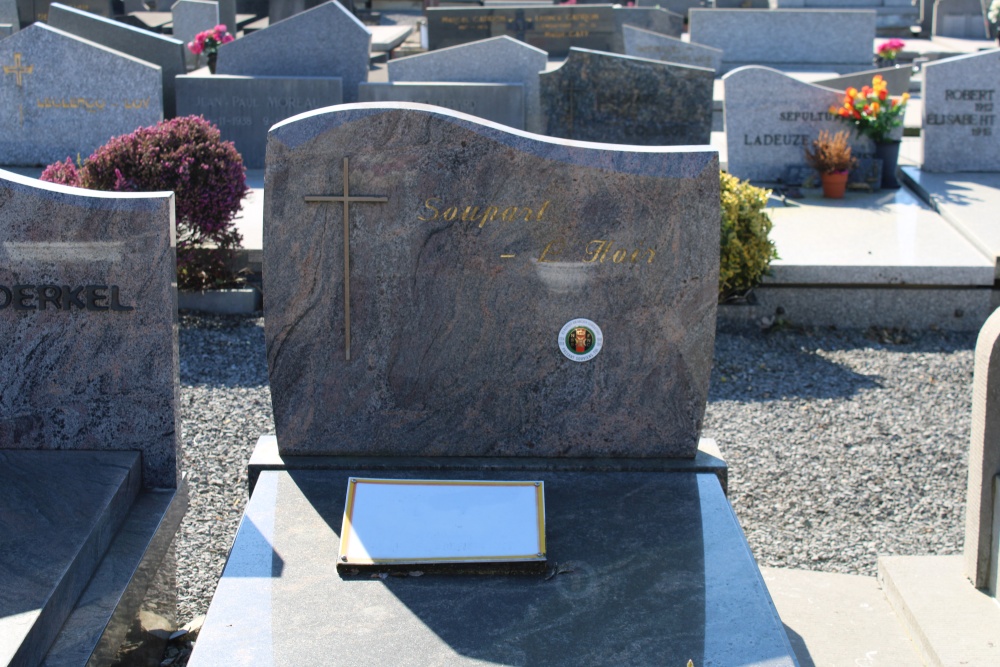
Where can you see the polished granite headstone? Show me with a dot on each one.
(476, 248)
(498, 102)
(162, 50)
(325, 41)
(245, 107)
(960, 18)
(654, 46)
(496, 60)
(87, 310)
(61, 96)
(771, 118)
(9, 17)
(189, 18)
(38, 10)
(960, 104)
(603, 97)
(897, 79)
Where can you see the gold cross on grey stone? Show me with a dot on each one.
(18, 70)
(347, 199)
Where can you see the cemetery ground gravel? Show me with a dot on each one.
(842, 445)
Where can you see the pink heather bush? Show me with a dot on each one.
(185, 155)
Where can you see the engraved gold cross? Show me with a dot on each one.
(347, 199)
(18, 70)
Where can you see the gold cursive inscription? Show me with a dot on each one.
(435, 209)
(600, 251)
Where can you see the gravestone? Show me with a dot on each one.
(6, 30)
(326, 41)
(8, 17)
(498, 102)
(501, 306)
(596, 96)
(959, 18)
(496, 60)
(654, 46)
(771, 118)
(227, 16)
(897, 80)
(62, 96)
(809, 39)
(190, 18)
(244, 108)
(960, 98)
(38, 10)
(89, 415)
(161, 50)
(679, 7)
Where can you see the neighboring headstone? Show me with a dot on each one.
(679, 7)
(38, 10)
(654, 46)
(771, 118)
(959, 18)
(603, 97)
(737, 4)
(190, 18)
(498, 102)
(960, 103)
(326, 41)
(648, 18)
(6, 30)
(8, 17)
(227, 16)
(161, 50)
(497, 60)
(548, 227)
(244, 108)
(897, 80)
(791, 39)
(62, 96)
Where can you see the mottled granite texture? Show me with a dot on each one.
(645, 569)
(896, 78)
(771, 118)
(961, 100)
(161, 50)
(498, 102)
(61, 96)
(8, 15)
(648, 18)
(325, 41)
(58, 514)
(79, 372)
(648, 44)
(191, 17)
(815, 39)
(959, 18)
(38, 10)
(497, 60)
(245, 107)
(455, 324)
(596, 96)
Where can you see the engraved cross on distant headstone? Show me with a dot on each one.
(18, 70)
(347, 199)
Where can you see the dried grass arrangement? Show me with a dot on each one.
(830, 153)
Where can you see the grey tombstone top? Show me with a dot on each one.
(325, 41)
(981, 557)
(456, 325)
(88, 311)
(161, 50)
(190, 18)
(959, 18)
(227, 15)
(679, 7)
(604, 97)
(896, 78)
(817, 39)
(648, 18)
(8, 16)
(497, 102)
(960, 98)
(654, 46)
(61, 96)
(771, 118)
(497, 60)
(245, 107)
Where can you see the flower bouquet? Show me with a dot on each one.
(888, 50)
(875, 113)
(208, 42)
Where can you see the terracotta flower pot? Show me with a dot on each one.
(834, 184)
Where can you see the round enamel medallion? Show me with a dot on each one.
(580, 340)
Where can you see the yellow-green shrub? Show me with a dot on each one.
(746, 250)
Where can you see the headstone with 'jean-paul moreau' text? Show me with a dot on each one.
(961, 97)
(62, 96)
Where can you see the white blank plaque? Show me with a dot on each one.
(399, 521)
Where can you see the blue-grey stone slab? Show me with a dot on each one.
(191, 17)
(39, 9)
(325, 41)
(679, 7)
(6, 30)
(441, 307)
(604, 97)
(245, 107)
(496, 60)
(279, 10)
(813, 39)
(227, 16)
(9, 17)
(88, 311)
(771, 118)
(960, 103)
(645, 569)
(959, 18)
(499, 102)
(161, 50)
(648, 18)
(897, 79)
(62, 96)
(654, 46)
(58, 513)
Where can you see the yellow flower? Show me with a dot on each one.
(906, 96)
(875, 108)
(877, 79)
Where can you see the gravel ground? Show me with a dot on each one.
(842, 445)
